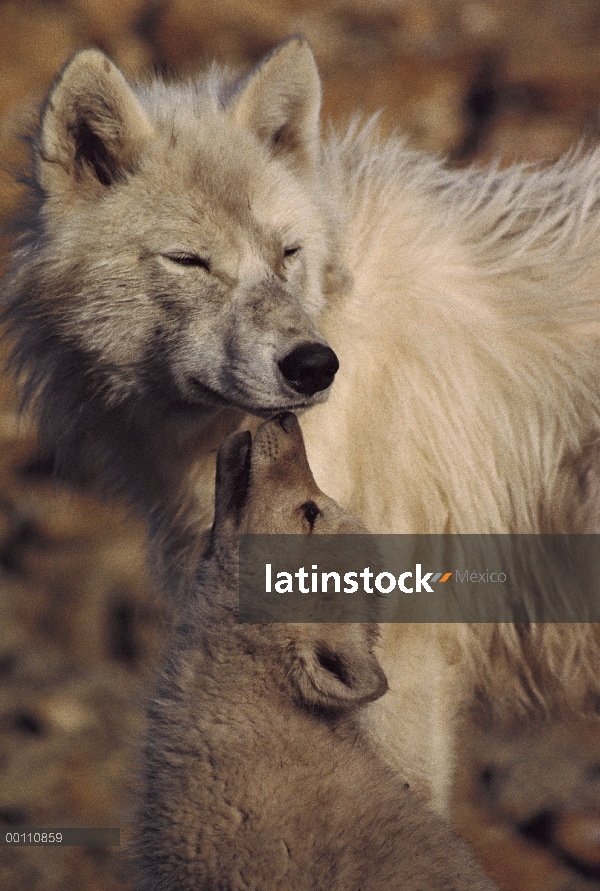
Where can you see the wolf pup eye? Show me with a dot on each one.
(183, 259)
(311, 512)
(290, 252)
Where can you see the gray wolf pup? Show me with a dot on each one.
(256, 772)
(194, 254)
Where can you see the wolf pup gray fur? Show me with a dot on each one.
(195, 252)
(256, 771)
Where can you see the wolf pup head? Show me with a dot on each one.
(181, 241)
(266, 486)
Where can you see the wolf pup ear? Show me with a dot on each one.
(92, 127)
(333, 667)
(280, 102)
(233, 477)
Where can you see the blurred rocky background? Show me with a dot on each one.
(80, 626)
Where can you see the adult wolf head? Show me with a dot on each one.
(181, 242)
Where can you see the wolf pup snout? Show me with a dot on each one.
(309, 368)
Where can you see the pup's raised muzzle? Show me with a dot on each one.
(309, 368)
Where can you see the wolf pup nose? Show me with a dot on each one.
(287, 420)
(309, 368)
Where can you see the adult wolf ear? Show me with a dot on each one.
(92, 128)
(280, 102)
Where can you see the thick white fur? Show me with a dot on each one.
(469, 343)
(469, 402)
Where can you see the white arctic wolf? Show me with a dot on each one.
(195, 253)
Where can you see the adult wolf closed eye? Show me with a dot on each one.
(195, 252)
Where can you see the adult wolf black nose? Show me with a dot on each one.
(309, 368)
